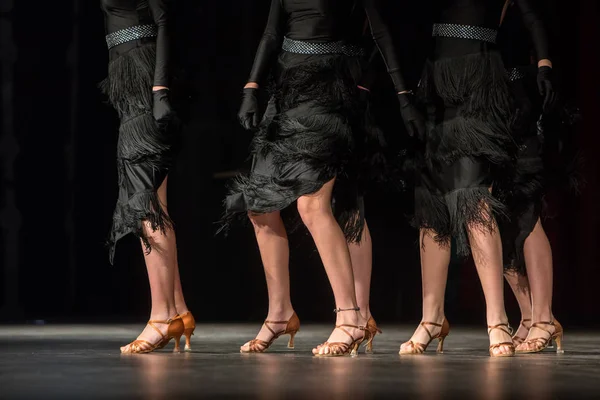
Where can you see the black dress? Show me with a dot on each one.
(524, 192)
(468, 145)
(144, 152)
(314, 120)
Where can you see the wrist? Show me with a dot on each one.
(157, 88)
(545, 63)
(405, 92)
(362, 88)
(251, 85)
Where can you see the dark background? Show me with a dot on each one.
(58, 180)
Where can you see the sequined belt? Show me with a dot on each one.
(514, 74)
(465, 32)
(302, 47)
(132, 33)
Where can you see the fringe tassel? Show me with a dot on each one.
(130, 218)
(130, 79)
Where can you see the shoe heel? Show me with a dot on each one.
(354, 351)
(188, 338)
(440, 348)
(369, 346)
(177, 348)
(558, 340)
(291, 341)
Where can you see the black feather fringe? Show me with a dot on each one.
(311, 128)
(144, 148)
(470, 117)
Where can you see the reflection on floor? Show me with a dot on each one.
(83, 362)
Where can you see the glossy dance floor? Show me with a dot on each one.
(83, 362)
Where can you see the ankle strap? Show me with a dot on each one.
(337, 310)
(500, 327)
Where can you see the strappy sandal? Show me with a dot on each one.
(340, 349)
(541, 343)
(260, 346)
(510, 344)
(419, 348)
(175, 330)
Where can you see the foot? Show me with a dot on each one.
(149, 337)
(536, 337)
(266, 335)
(500, 335)
(342, 334)
(522, 331)
(421, 334)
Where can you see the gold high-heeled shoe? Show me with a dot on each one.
(260, 346)
(517, 340)
(541, 343)
(510, 344)
(419, 348)
(340, 349)
(189, 324)
(174, 331)
(374, 330)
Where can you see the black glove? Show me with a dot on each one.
(544, 81)
(413, 120)
(363, 94)
(248, 114)
(161, 109)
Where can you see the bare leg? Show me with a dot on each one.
(434, 274)
(361, 255)
(487, 254)
(315, 211)
(161, 263)
(538, 258)
(274, 251)
(520, 288)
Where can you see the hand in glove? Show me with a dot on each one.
(413, 120)
(161, 109)
(545, 86)
(248, 114)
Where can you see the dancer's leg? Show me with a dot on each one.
(316, 213)
(274, 251)
(361, 256)
(538, 259)
(487, 254)
(434, 274)
(161, 263)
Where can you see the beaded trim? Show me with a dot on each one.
(302, 47)
(465, 32)
(132, 33)
(514, 74)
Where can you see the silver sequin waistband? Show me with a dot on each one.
(514, 74)
(465, 32)
(132, 33)
(302, 47)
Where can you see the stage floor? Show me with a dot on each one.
(83, 362)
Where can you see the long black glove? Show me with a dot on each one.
(248, 114)
(162, 109)
(545, 86)
(413, 120)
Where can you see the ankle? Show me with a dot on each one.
(280, 310)
(163, 314)
(433, 314)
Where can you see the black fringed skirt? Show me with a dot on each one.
(144, 149)
(524, 192)
(468, 146)
(308, 136)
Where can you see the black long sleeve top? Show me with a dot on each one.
(323, 21)
(487, 13)
(514, 41)
(121, 14)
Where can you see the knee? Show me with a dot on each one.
(313, 210)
